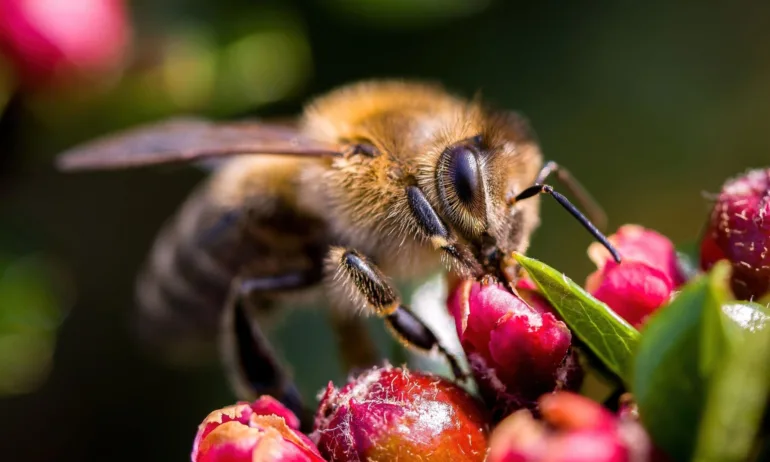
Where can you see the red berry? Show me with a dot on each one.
(263, 431)
(395, 414)
(739, 231)
(645, 279)
(517, 350)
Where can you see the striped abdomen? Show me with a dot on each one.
(216, 237)
(187, 278)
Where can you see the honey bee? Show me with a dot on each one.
(376, 178)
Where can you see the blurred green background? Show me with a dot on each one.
(649, 104)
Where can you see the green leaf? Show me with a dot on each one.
(681, 345)
(738, 391)
(717, 329)
(608, 335)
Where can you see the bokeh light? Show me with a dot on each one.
(35, 294)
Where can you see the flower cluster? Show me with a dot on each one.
(524, 359)
(517, 346)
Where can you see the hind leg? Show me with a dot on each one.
(253, 368)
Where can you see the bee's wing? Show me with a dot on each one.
(186, 140)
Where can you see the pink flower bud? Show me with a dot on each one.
(739, 231)
(263, 431)
(517, 350)
(395, 414)
(643, 281)
(574, 429)
(52, 39)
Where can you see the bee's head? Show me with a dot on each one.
(476, 180)
(487, 188)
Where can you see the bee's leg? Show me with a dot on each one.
(356, 275)
(252, 365)
(434, 229)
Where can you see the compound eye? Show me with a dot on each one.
(460, 184)
(463, 171)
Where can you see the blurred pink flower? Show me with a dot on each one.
(573, 429)
(390, 413)
(53, 40)
(263, 431)
(739, 231)
(643, 281)
(517, 350)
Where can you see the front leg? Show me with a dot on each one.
(358, 278)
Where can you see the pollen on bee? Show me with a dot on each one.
(438, 242)
(390, 309)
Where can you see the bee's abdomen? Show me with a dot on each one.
(187, 280)
(184, 284)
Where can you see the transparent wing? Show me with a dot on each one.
(186, 140)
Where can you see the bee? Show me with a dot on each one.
(376, 181)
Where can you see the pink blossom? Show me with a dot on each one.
(263, 431)
(643, 281)
(517, 350)
(573, 429)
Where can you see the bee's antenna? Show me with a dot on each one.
(584, 199)
(546, 189)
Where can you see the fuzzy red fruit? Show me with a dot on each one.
(574, 429)
(517, 350)
(394, 414)
(645, 279)
(263, 431)
(48, 40)
(739, 231)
